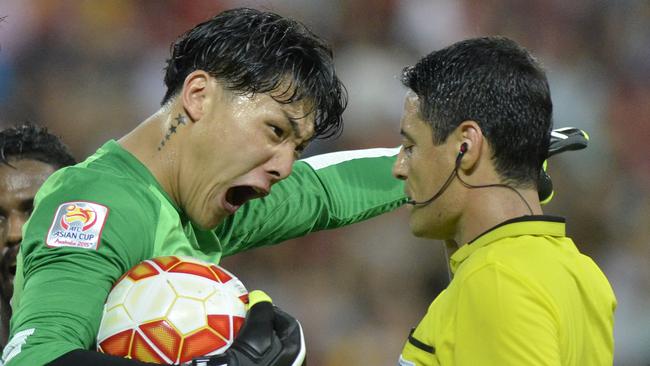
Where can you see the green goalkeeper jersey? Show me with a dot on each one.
(94, 221)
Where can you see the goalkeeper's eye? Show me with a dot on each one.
(278, 131)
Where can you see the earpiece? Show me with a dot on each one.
(454, 173)
(463, 149)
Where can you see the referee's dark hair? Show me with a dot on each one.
(252, 51)
(498, 84)
(29, 141)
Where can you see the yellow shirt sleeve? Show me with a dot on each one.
(503, 320)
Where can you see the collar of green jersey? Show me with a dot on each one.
(524, 225)
(136, 167)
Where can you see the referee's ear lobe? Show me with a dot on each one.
(470, 143)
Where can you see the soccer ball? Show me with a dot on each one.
(171, 309)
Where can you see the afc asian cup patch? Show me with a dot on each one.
(77, 224)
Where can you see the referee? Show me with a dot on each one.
(476, 128)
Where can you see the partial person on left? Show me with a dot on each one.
(29, 154)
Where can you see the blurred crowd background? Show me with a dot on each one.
(92, 70)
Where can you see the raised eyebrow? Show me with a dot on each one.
(296, 131)
(294, 127)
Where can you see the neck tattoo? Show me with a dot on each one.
(180, 120)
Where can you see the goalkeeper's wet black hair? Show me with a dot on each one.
(251, 52)
(496, 83)
(29, 141)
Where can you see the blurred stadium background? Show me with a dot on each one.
(92, 70)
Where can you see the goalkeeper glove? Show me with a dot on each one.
(562, 139)
(269, 337)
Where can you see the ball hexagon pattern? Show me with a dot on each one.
(171, 309)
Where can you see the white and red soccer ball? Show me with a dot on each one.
(171, 309)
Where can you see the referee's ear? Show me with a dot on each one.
(469, 133)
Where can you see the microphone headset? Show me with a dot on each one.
(454, 173)
(463, 150)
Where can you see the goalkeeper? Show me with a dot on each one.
(246, 91)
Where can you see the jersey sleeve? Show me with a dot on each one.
(323, 192)
(63, 284)
(503, 320)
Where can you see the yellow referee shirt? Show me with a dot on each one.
(522, 294)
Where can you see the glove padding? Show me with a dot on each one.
(269, 337)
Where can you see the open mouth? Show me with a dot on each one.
(239, 195)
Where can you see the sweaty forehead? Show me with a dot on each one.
(301, 111)
(270, 106)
